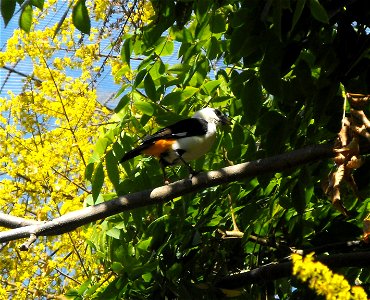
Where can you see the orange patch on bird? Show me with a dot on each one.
(159, 147)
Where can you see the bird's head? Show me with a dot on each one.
(212, 115)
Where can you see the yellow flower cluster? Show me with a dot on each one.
(47, 133)
(100, 9)
(323, 281)
(121, 71)
(15, 52)
(147, 11)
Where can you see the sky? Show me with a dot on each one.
(11, 81)
(105, 86)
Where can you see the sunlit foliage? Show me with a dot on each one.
(48, 132)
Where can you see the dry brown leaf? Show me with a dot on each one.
(332, 189)
(354, 147)
(367, 229)
(343, 133)
(347, 150)
(361, 130)
(361, 116)
(338, 175)
(358, 101)
(337, 203)
(340, 159)
(354, 163)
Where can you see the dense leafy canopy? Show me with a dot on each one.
(281, 69)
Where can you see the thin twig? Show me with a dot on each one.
(25, 246)
(65, 112)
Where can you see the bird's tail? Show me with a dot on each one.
(133, 153)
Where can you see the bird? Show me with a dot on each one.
(183, 141)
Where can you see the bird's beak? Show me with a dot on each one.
(225, 120)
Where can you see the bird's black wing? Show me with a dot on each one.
(181, 129)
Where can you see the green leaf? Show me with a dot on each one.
(276, 13)
(174, 271)
(299, 197)
(165, 48)
(203, 32)
(122, 103)
(248, 46)
(154, 31)
(117, 267)
(150, 87)
(118, 149)
(318, 11)
(92, 289)
(210, 86)
(272, 127)
(145, 107)
(38, 3)
(89, 171)
(73, 293)
(234, 149)
(97, 181)
(203, 8)
(252, 99)
(215, 221)
(80, 17)
(88, 201)
(137, 46)
(183, 36)
(179, 68)
(126, 51)
(111, 291)
(218, 23)
(114, 233)
(112, 169)
(139, 78)
(145, 62)
(7, 10)
(237, 80)
(144, 244)
(101, 145)
(147, 277)
(157, 70)
(213, 48)
(297, 13)
(271, 77)
(179, 96)
(25, 20)
(83, 287)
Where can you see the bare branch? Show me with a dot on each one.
(75, 219)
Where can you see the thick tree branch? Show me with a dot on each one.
(276, 271)
(73, 220)
(10, 221)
